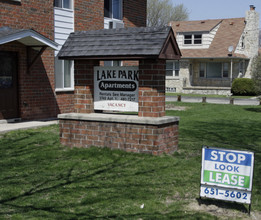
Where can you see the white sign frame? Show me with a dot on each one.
(116, 88)
(227, 174)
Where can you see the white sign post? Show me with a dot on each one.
(227, 175)
(116, 88)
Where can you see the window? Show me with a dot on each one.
(63, 4)
(172, 68)
(241, 69)
(64, 75)
(225, 69)
(202, 69)
(190, 39)
(198, 39)
(112, 63)
(113, 9)
(243, 42)
(190, 69)
(214, 70)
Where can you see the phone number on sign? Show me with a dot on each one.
(225, 194)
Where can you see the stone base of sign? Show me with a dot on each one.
(126, 132)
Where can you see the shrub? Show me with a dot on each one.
(243, 86)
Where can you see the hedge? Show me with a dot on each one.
(243, 86)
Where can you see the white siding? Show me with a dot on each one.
(207, 38)
(211, 35)
(63, 25)
(239, 49)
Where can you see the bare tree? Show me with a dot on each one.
(161, 12)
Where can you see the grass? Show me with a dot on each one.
(40, 179)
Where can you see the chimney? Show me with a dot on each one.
(252, 8)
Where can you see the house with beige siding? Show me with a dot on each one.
(214, 53)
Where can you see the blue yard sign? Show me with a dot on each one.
(227, 174)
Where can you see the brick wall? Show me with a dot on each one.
(37, 98)
(65, 101)
(28, 14)
(36, 89)
(152, 88)
(151, 139)
(89, 15)
(84, 90)
(134, 13)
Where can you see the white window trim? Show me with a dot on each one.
(113, 63)
(64, 9)
(121, 8)
(66, 89)
(59, 73)
(192, 39)
(67, 9)
(173, 70)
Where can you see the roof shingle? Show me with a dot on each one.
(228, 34)
(194, 26)
(112, 43)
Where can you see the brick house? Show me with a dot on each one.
(34, 84)
(214, 52)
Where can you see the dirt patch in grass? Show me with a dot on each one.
(224, 210)
(176, 108)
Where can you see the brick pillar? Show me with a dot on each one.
(152, 88)
(84, 89)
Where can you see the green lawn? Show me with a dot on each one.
(40, 179)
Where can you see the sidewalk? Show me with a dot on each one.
(234, 101)
(12, 126)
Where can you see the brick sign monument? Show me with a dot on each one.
(140, 88)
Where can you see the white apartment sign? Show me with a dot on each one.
(116, 88)
(227, 174)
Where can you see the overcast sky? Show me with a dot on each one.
(212, 9)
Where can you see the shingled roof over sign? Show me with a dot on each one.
(124, 43)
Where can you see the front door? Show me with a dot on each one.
(8, 85)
